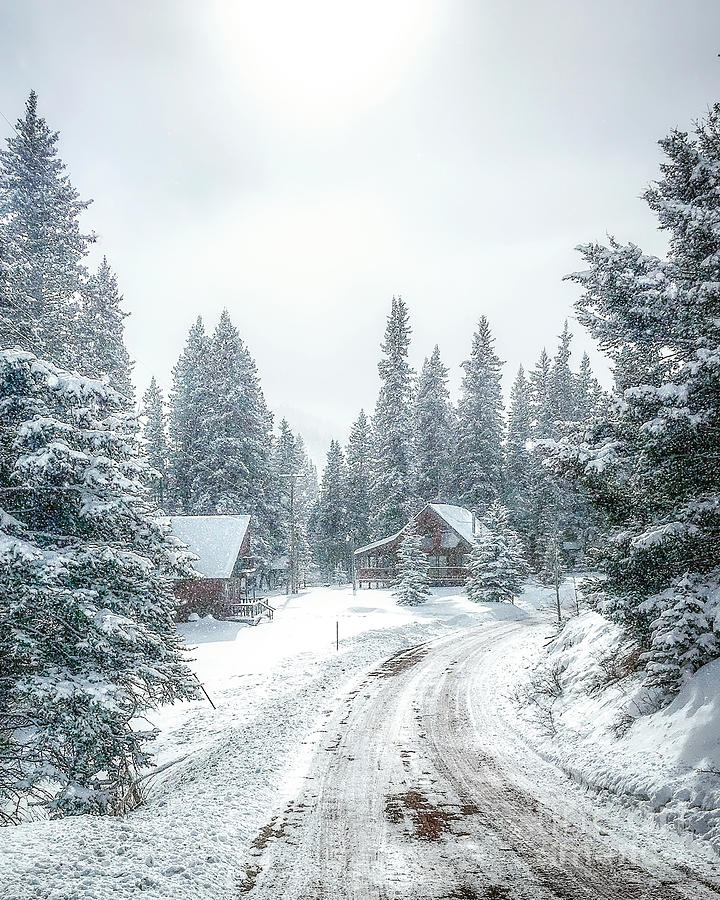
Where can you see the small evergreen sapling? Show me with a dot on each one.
(411, 587)
(497, 566)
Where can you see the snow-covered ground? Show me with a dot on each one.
(274, 685)
(667, 761)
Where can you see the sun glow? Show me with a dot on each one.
(313, 59)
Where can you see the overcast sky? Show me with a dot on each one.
(299, 161)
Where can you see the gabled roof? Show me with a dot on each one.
(456, 517)
(215, 540)
(459, 519)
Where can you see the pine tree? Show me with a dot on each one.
(518, 459)
(540, 394)
(496, 567)
(43, 246)
(234, 475)
(561, 388)
(394, 463)
(650, 466)
(411, 587)
(330, 516)
(433, 430)
(358, 482)
(101, 331)
(291, 461)
(88, 640)
(589, 398)
(479, 455)
(189, 402)
(681, 638)
(155, 444)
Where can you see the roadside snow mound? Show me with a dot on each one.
(589, 713)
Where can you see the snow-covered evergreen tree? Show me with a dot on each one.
(433, 430)
(394, 446)
(540, 394)
(102, 351)
(496, 567)
(234, 474)
(589, 397)
(682, 638)
(411, 587)
(480, 427)
(290, 459)
(651, 465)
(358, 481)
(44, 248)
(155, 443)
(330, 518)
(518, 457)
(561, 388)
(189, 402)
(87, 638)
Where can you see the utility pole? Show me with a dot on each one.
(294, 567)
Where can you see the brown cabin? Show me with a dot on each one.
(225, 582)
(448, 534)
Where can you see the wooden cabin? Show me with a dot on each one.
(225, 582)
(448, 533)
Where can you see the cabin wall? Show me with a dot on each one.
(204, 596)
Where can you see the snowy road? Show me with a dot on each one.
(422, 788)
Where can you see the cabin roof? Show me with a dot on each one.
(457, 517)
(216, 541)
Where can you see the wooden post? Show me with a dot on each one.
(337, 636)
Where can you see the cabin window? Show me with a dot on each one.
(437, 561)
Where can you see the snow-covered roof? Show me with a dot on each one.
(215, 540)
(457, 517)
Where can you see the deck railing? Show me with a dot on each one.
(250, 609)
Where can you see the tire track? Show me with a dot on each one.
(413, 794)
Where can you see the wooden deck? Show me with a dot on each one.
(437, 576)
(250, 610)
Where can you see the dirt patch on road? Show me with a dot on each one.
(429, 820)
(400, 662)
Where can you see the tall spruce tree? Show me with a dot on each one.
(234, 473)
(358, 482)
(433, 430)
(518, 456)
(87, 639)
(394, 446)
(561, 388)
(189, 402)
(480, 427)
(331, 531)
(651, 465)
(101, 330)
(155, 443)
(589, 396)
(44, 247)
(540, 394)
(290, 461)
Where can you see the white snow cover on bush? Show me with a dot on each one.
(668, 760)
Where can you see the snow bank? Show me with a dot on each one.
(274, 685)
(584, 711)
